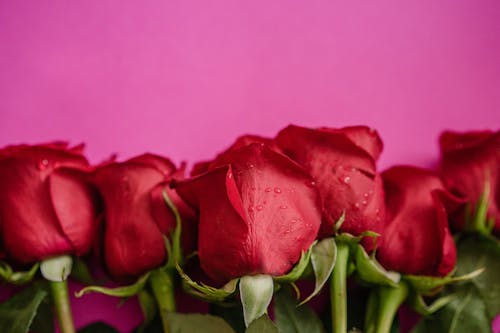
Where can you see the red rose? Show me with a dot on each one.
(136, 216)
(257, 213)
(416, 238)
(342, 163)
(469, 161)
(46, 204)
(241, 141)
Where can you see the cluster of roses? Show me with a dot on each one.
(255, 209)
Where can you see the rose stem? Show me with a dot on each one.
(338, 294)
(162, 284)
(390, 298)
(60, 296)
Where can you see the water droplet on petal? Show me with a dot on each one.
(283, 207)
(364, 202)
(250, 209)
(347, 180)
(366, 195)
(311, 183)
(259, 207)
(356, 205)
(277, 190)
(42, 164)
(268, 189)
(230, 175)
(250, 166)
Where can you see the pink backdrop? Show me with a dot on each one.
(184, 78)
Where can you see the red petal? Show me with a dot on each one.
(73, 202)
(133, 241)
(30, 228)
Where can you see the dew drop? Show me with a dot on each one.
(250, 209)
(356, 205)
(294, 221)
(250, 166)
(268, 189)
(230, 175)
(277, 190)
(311, 183)
(283, 207)
(259, 207)
(42, 164)
(366, 195)
(364, 202)
(347, 180)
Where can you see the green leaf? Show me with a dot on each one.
(256, 292)
(81, 271)
(125, 291)
(197, 323)
(231, 313)
(148, 308)
(18, 312)
(370, 271)
(98, 327)
(466, 313)
(262, 325)
(207, 293)
(323, 257)
(299, 268)
(17, 278)
(291, 318)
(476, 302)
(44, 319)
(477, 252)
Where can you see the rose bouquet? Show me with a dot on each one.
(297, 233)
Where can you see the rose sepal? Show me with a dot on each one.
(370, 271)
(417, 302)
(204, 291)
(256, 293)
(428, 285)
(17, 278)
(479, 221)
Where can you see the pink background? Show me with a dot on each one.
(184, 78)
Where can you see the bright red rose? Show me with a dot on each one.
(47, 206)
(136, 216)
(342, 163)
(416, 239)
(257, 212)
(469, 161)
(241, 141)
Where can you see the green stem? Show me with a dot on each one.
(60, 296)
(162, 284)
(338, 294)
(389, 300)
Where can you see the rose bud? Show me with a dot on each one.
(136, 217)
(47, 206)
(342, 163)
(416, 238)
(471, 161)
(257, 213)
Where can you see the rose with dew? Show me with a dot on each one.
(342, 163)
(257, 213)
(136, 216)
(470, 168)
(47, 206)
(416, 239)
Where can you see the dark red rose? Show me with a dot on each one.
(241, 141)
(469, 161)
(416, 238)
(257, 213)
(342, 163)
(47, 206)
(136, 216)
